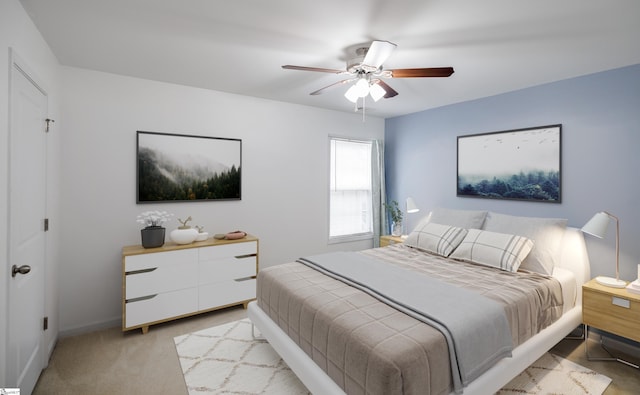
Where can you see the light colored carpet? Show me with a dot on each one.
(226, 359)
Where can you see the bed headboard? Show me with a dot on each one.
(574, 257)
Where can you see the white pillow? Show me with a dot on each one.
(500, 250)
(468, 219)
(546, 234)
(436, 238)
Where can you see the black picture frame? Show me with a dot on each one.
(520, 164)
(187, 168)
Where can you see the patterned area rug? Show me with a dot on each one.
(226, 359)
(552, 374)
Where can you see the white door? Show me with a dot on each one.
(27, 205)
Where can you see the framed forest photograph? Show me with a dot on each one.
(521, 164)
(181, 168)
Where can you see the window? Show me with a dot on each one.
(350, 202)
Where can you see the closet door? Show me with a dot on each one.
(27, 244)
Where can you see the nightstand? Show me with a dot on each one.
(387, 240)
(613, 310)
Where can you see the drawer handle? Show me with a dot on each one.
(141, 298)
(621, 302)
(245, 256)
(141, 271)
(245, 278)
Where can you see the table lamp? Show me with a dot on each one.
(597, 226)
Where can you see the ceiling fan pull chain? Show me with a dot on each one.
(364, 107)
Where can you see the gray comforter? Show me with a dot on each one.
(475, 327)
(366, 346)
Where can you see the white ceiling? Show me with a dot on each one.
(239, 46)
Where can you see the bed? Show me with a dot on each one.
(358, 342)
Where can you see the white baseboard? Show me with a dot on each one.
(96, 326)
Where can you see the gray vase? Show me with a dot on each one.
(152, 236)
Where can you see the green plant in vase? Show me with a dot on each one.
(396, 217)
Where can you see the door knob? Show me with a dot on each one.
(24, 269)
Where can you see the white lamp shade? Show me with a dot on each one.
(411, 206)
(377, 92)
(362, 87)
(597, 226)
(352, 94)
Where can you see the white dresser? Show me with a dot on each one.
(175, 281)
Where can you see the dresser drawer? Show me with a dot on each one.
(612, 313)
(159, 259)
(228, 251)
(164, 278)
(226, 293)
(226, 269)
(160, 307)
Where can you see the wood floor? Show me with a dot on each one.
(112, 362)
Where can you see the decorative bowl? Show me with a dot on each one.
(184, 236)
(202, 236)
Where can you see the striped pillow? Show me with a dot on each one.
(435, 238)
(499, 250)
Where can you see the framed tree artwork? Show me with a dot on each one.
(186, 168)
(521, 164)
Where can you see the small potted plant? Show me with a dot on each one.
(396, 217)
(153, 232)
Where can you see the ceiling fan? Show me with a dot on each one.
(365, 69)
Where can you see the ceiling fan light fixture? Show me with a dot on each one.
(377, 92)
(352, 94)
(365, 69)
(362, 87)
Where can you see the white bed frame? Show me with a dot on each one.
(574, 257)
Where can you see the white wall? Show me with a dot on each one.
(284, 178)
(18, 33)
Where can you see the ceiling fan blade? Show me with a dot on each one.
(423, 72)
(378, 53)
(304, 68)
(319, 91)
(390, 91)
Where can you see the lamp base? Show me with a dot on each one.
(611, 282)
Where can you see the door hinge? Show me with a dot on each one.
(48, 121)
(46, 224)
(45, 323)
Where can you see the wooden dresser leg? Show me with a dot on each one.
(145, 329)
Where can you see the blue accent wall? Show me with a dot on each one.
(600, 117)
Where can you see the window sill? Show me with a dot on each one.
(350, 238)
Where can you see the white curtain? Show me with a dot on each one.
(378, 191)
